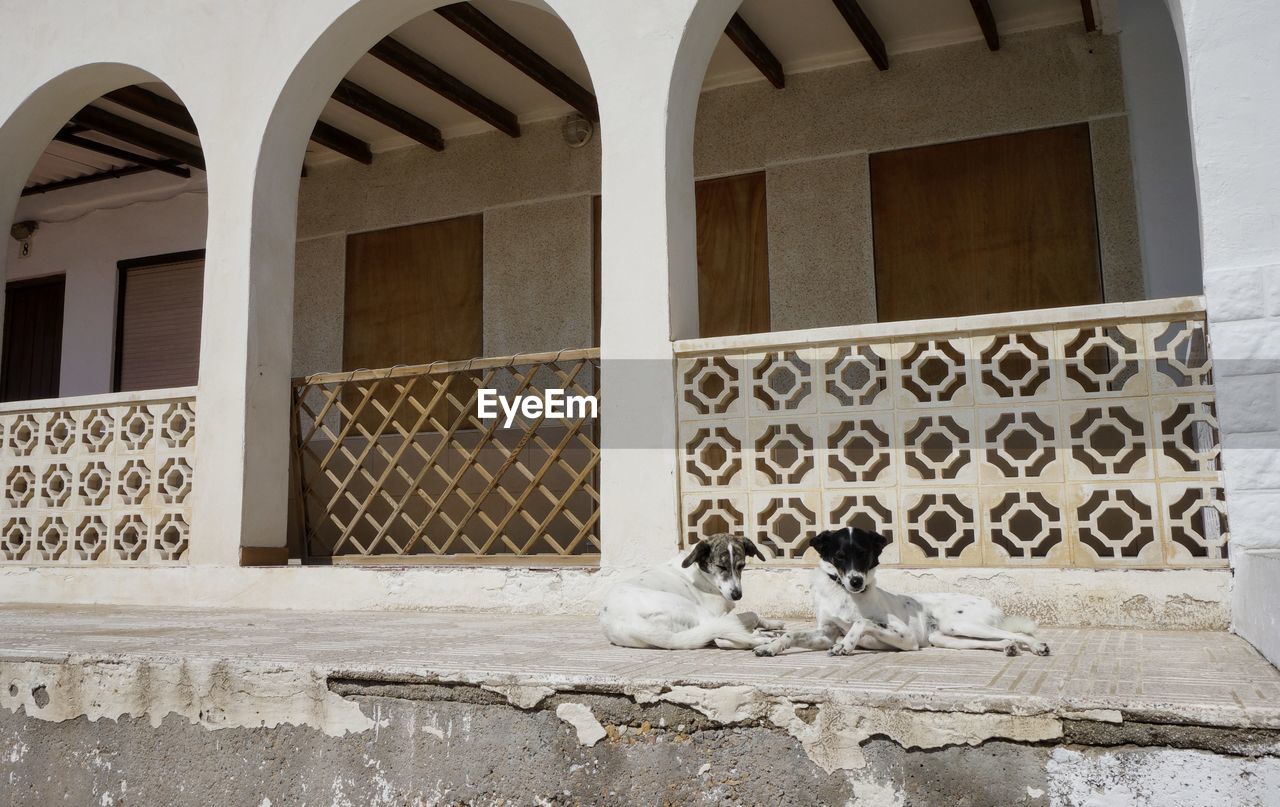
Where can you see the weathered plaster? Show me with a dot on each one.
(1118, 239)
(318, 293)
(821, 268)
(538, 277)
(1037, 79)
(212, 693)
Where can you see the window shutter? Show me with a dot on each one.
(160, 326)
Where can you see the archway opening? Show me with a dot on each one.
(104, 265)
(102, 323)
(447, 262)
(933, 220)
(935, 162)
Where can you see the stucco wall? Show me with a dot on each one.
(86, 249)
(812, 139)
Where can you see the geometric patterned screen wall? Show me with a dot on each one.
(1077, 437)
(102, 483)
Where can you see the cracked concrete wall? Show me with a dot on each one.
(429, 743)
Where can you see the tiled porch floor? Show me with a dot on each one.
(1205, 677)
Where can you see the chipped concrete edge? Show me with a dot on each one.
(831, 727)
(214, 694)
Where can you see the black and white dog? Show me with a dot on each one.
(686, 603)
(854, 612)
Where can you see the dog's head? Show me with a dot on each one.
(849, 556)
(721, 557)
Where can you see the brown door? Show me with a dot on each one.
(733, 255)
(158, 328)
(414, 294)
(31, 357)
(996, 224)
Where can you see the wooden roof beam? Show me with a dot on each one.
(145, 102)
(135, 134)
(388, 114)
(1090, 21)
(475, 24)
(864, 31)
(167, 166)
(447, 86)
(986, 21)
(753, 48)
(114, 173)
(331, 137)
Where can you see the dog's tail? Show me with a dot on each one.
(728, 628)
(1020, 624)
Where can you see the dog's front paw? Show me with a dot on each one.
(1010, 647)
(1040, 649)
(840, 649)
(770, 649)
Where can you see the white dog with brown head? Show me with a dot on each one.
(688, 602)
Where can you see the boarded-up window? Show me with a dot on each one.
(414, 294)
(158, 330)
(31, 357)
(1001, 223)
(733, 255)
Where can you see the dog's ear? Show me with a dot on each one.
(752, 550)
(877, 541)
(699, 554)
(824, 542)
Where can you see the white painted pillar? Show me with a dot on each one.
(1232, 61)
(242, 444)
(647, 58)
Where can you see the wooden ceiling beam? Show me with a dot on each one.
(167, 166)
(986, 21)
(135, 134)
(753, 47)
(331, 137)
(388, 114)
(447, 86)
(57, 185)
(475, 24)
(864, 31)
(145, 102)
(1090, 22)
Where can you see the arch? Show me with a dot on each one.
(87, 258)
(311, 80)
(26, 133)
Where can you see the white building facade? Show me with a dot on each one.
(206, 477)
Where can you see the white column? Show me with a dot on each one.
(1234, 102)
(647, 59)
(243, 408)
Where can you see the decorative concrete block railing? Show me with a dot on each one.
(1067, 437)
(103, 480)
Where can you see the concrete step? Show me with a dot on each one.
(393, 707)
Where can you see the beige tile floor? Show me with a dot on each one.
(1214, 678)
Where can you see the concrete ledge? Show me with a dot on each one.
(1184, 599)
(409, 707)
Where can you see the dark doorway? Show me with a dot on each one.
(31, 358)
